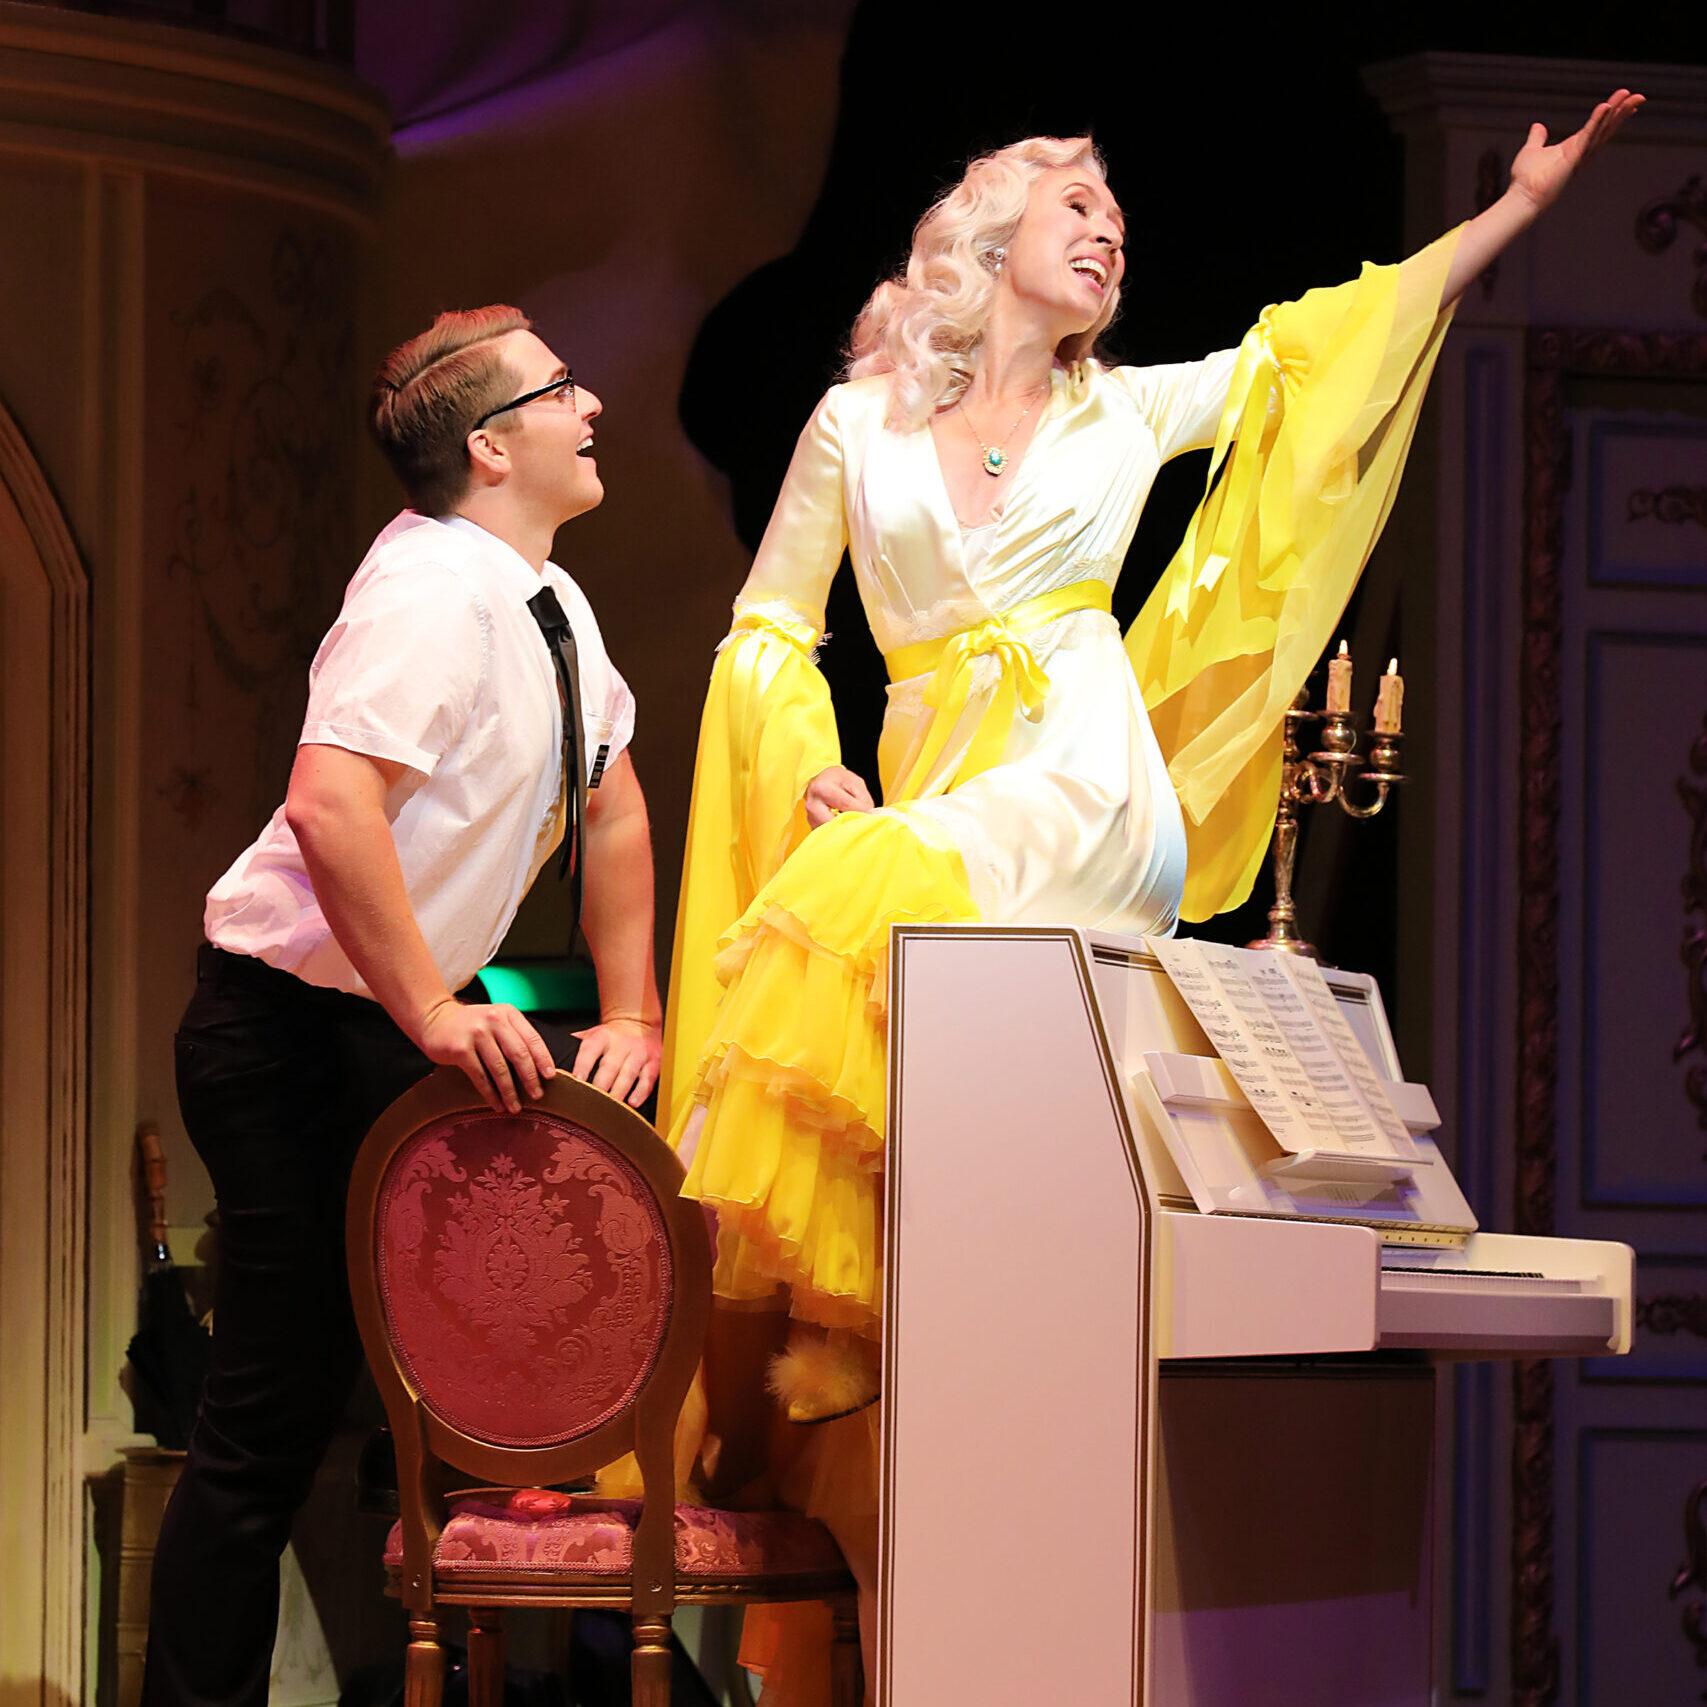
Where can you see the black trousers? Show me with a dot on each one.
(278, 1082)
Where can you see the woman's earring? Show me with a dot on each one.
(997, 256)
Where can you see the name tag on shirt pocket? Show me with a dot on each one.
(598, 745)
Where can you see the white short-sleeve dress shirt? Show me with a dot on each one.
(436, 663)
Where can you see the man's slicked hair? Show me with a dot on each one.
(428, 394)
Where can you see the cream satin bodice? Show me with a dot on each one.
(1069, 516)
(1077, 823)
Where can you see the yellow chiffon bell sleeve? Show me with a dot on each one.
(774, 1048)
(1318, 422)
(767, 729)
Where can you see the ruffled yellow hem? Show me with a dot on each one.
(786, 1119)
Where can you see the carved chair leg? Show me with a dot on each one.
(847, 1670)
(651, 1664)
(486, 1656)
(424, 1663)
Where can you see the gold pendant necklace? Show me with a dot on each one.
(995, 458)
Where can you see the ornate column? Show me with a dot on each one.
(179, 416)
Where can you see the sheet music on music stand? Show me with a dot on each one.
(1272, 1103)
(1278, 1029)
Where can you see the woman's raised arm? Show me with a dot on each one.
(1538, 175)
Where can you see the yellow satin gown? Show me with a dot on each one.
(1034, 766)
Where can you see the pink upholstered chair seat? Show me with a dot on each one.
(535, 1532)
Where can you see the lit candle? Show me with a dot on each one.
(1339, 681)
(1389, 698)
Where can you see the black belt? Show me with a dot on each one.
(221, 966)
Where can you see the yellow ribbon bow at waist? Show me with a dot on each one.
(1022, 684)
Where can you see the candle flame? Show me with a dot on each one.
(1392, 666)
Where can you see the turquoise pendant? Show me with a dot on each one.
(994, 462)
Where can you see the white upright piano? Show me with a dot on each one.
(1158, 1414)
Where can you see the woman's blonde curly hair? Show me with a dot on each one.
(926, 326)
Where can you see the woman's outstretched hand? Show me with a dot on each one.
(1542, 169)
(836, 790)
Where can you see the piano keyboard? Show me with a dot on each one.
(1469, 1310)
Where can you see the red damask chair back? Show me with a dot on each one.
(532, 1293)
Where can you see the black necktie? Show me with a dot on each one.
(560, 639)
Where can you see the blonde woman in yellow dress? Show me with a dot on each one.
(986, 472)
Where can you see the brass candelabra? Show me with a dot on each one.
(1328, 775)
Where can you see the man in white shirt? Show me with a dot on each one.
(427, 794)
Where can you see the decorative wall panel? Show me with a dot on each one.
(1671, 1326)
(1648, 503)
(1615, 669)
(254, 415)
(1631, 1644)
(1639, 1143)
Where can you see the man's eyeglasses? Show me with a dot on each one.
(563, 385)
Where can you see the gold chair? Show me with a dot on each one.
(532, 1291)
